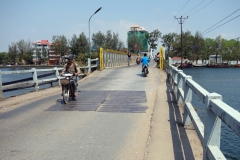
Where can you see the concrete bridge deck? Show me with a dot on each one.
(118, 115)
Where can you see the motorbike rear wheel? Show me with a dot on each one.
(145, 70)
(65, 94)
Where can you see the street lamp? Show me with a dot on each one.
(89, 55)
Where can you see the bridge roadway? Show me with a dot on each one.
(118, 115)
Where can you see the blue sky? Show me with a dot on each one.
(36, 20)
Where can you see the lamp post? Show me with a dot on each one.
(89, 55)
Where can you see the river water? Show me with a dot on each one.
(14, 77)
(226, 82)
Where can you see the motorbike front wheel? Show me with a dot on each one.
(65, 94)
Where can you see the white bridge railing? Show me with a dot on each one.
(216, 111)
(34, 81)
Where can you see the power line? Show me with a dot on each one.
(221, 21)
(179, 12)
(221, 25)
(182, 8)
(202, 7)
(194, 7)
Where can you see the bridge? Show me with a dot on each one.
(119, 114)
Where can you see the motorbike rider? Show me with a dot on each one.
(138, 58)
(145, 60)
(71, 67)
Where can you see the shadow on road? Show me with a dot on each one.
(181, 144)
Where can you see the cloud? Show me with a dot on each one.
(33, 30)
(228, 35)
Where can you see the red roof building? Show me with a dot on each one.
(52, 56)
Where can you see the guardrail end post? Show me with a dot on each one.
(57, 76)
(1, 90)
(89, 65)
(35, 79)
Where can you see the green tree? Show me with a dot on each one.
(98, 39)
(60, 45)
(82, 42)
(120, 45)
(74, 44)
(197, 46)
(108, 40)
(115, 41)
(24, 48)
(13, 52)
(217, 47)
(27, 56)
(208, 48)
(235, 49)
(167, 42)
(153, 38)
(3, 57)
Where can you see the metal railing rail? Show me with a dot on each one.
(216, 111)
(113, 58)
(35, 81)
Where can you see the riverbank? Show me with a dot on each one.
(31, 66)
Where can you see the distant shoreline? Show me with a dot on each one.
(30, 66)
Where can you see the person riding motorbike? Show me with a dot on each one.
(71, 67)
(138, 58)
(145, 61)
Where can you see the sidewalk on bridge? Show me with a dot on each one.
(168, 138)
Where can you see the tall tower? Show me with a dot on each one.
(139, 34)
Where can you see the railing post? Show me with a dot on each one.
(98, 64)
(187, 99)
(1, 90)
(89, 65)
(57, 76)
(179, 86)
(175, 79)
(212, 125)
(35, 79)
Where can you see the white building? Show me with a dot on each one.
(39, 45)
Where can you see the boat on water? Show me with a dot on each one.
(199, 65)
(218, 65)
(185, 65)
(216, 62)
(236, 66)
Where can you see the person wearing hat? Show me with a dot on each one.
(71, 67)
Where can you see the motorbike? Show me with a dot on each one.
(145, 70)
(138, 60)
(67, 87)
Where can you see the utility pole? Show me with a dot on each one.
(181, 20)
